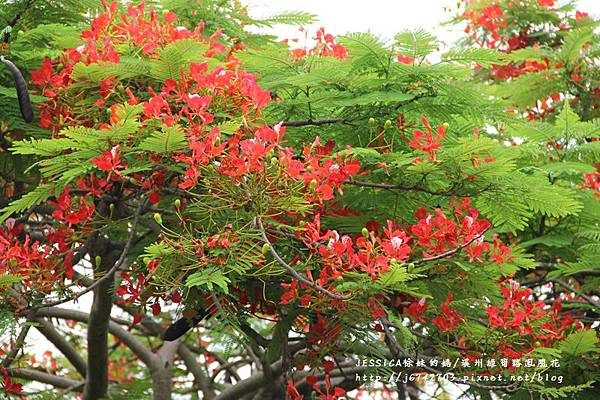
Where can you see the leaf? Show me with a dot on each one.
(43, 147)
(374, 97)
(548, 199)
(573, 43)
(484, 57)
(207, 278)
(35, 197)
(280, 333)
(580, 342)
(556, 240)
(170, 139)
(176, 56)
(397, 273)
(287, 18)
(416, 44)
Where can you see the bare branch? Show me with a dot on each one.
(390, 186)
(58, 340)
(315, 122)
(144, 353)
(43, 377)
(292, 271)
(450, 252)
(587, 298)
(19, 342)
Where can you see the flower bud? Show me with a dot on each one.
(111, 208)
(387, 124)
(313, 184)
(266, 248)
(365, 233)
(445, 125)
(274, 161)
(98, 261)
(372, 121)
(158, 218)
(309, 168)
(177, 203)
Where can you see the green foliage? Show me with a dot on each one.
(168, 140)
(580, 342)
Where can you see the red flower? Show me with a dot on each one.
(449, 318)
(427, 141)
(291, 292)
(405, 59)
(110, 162)
(416, 309)
(7, 383)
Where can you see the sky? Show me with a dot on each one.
(384, 18)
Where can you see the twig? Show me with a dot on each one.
(19, 342)
(450, 252)
(390, 186)
(315, 122)
(292, 271)
(574, 290)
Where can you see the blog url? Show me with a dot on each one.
(403, 377)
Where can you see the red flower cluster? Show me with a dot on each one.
(325, 46)
(65, 213)
(7, 383)
(489, 18)
(448, 319)
(518, 312)
(40, 265)
(372, 252)
(438, 234)
(427, 141)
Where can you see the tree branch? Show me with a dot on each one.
(292, 271)
(43, 377)
(48, 330)
(144, 353)
(19, 342)
(450, 252)
(574, 290)
(315, 122)
(390, 186)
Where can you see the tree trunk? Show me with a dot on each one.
(96, 382)
(162, 371)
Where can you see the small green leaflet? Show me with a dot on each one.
(208, 278)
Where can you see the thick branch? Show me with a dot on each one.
(43, 377)
(249, 385)
(144, 353)
(58, 340)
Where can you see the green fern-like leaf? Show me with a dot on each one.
(35, 197)
(416, 44)
(168, 140)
